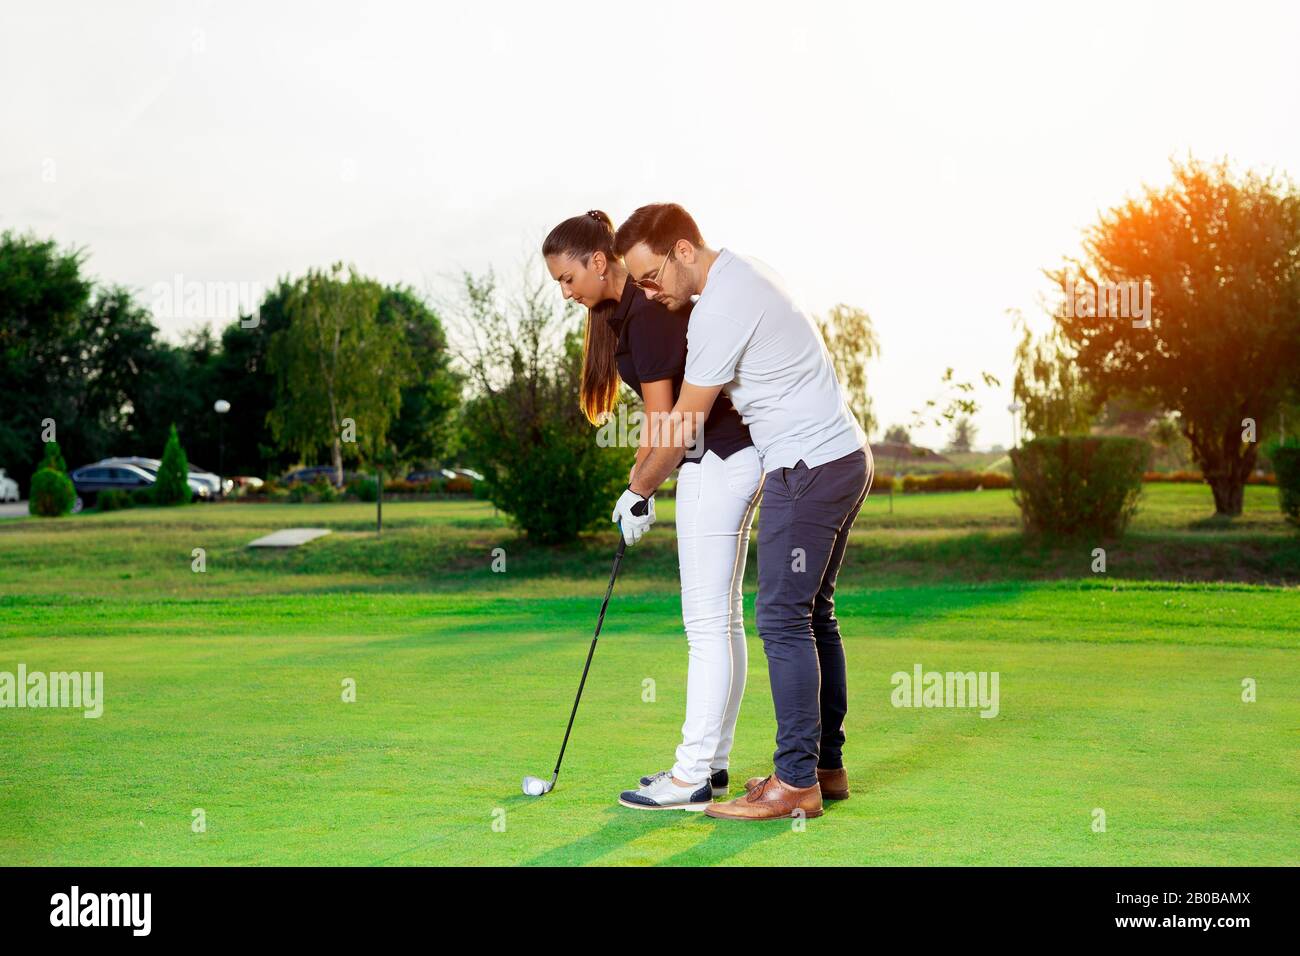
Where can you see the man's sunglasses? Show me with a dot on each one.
(654, 285)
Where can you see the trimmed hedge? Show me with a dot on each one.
(1079, 485)
(113, 499)
(1286, 465)
(1196, 478)
(956, 481)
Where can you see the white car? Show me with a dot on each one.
(8, 487)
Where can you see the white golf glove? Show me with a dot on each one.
(634, 515)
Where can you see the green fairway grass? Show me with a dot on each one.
(1119, 693)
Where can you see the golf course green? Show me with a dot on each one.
(229, 736)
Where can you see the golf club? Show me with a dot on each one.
(536, 786)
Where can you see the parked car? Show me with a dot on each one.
(432, 474)
(247, 482)
(8, 487)
(215, 486)
(90, 480)
(316, 472)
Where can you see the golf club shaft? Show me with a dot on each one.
(618, 559)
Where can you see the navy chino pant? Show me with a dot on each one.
(804, 524)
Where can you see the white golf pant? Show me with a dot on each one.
(716, 500)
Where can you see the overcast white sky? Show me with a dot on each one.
(922, 161)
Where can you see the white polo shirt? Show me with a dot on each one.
(748, 336)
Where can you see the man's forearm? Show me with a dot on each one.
(654, 469)
(671, 435)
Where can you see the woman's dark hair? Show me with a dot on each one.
(658, 225)
(581, 237)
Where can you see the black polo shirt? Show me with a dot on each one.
(652, 346)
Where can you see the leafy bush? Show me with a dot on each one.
(51, 494)
(1286, 466)
(364, 489)
(114, 499)
(956, 481)
(460, 485)
(172, 486)
(400, 486)
(324, 490)
(1078, 485)
(142, 496)
(540, 458)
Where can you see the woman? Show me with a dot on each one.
(640, 342)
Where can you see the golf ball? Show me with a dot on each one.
(534, 787)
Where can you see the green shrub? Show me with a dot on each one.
(1078, 485)
(365, 489)
(323, 490)
(114, 499)
(53, 458)
(51, 494)
(543, 463)
(142, 496)
(1286, 466)
(298, 492)
(172, 486)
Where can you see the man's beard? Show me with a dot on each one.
(673, 301)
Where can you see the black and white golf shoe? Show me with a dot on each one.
(662, 794)
(718, 781)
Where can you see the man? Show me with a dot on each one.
(746, 336)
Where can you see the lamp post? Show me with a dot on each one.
(221, 406)
(1015, 408)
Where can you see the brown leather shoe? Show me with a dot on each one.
(770, 799)
(834, 783)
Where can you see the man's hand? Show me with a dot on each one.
(634, 514)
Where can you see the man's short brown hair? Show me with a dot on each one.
(658, 225)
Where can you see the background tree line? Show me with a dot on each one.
(91, 358)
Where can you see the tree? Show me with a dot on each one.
(71, 352)
(1221, 252)
(1048, 383)
(42, 298)
(172, 486)
(897, 435)
(335, 361)
(424, 428)
(851, 340)
(541, 460)
(963, 435)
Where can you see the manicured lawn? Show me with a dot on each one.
(224, 694)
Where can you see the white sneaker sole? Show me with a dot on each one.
(688, 807)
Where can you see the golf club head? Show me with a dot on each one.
(536, 786)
